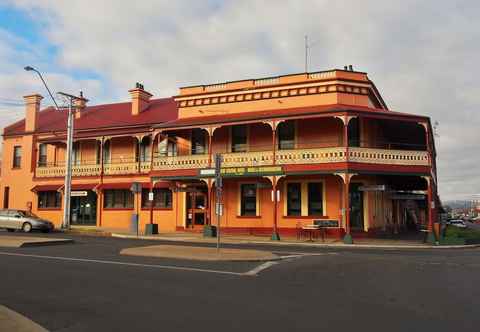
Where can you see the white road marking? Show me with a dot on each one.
(166, 267)
(260, 268)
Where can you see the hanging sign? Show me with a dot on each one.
(380, 187)
(78, 193)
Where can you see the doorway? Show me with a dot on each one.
(197, 205)
(84, 209)
(6, 197)
(356, 207)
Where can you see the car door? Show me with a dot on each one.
(15, 219)
(4, 219)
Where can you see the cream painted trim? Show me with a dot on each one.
(304, 195)
(239, 198)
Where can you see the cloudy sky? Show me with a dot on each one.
(423, 55)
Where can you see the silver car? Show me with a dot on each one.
(24, 220)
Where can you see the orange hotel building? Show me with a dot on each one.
(296, 149)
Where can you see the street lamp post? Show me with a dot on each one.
(68, 153)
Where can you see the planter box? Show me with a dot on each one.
(209, 231)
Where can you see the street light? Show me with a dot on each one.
(68, 159)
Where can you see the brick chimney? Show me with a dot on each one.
(140, 99)
(32, 107)
(79, 105)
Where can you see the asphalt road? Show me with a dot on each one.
(87, 286)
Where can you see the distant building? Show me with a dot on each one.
(296, 149)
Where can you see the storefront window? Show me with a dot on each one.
(118, 199)
(294, 199)
(49, 199)
(162, 198)
(315, 199)
(248, 199)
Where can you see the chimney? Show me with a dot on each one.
(79, 104)
(350, 67)
(32, 107)
(140, 99)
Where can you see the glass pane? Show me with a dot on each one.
(315, 199)
(198, 141)
(286, 135)
(239, 138)
(294, 199)
(248, 200)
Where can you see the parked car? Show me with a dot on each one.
(457, 223)
(23, 220)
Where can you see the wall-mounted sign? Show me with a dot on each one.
(244, 171)
(380, 187)
(82, 193)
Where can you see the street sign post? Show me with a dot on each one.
(219, 188)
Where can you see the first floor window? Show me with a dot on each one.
(49, 199)
(118, 199)
(294, 199)
(315, 199)
(248, 196)
(42, 155)
(162, 198)
(17, 156)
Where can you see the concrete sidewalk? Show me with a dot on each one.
(12, 321)
(12, 241)
(200, 253)
(365, 243)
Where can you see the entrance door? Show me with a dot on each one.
(356, 206)
(84, 209)
(196, 209)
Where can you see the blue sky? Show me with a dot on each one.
(422, 55)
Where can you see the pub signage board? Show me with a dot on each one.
(244, 171)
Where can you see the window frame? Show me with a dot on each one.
(145, 203)
(200, 136)
(304, 199)
(294, 138)
(247, 131)
(240, 201)
(42, 158)
(118, 194)
(287, 199)
(57, 200)
(17, 160)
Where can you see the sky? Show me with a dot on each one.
(422, 55)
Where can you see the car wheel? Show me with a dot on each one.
(10, 230)
(27, 227)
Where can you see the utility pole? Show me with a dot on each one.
(68, 157)
(68, 160)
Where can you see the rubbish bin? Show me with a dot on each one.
(134, 223)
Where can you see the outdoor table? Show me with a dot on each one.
(310, 229)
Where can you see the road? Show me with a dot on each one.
(87, 286)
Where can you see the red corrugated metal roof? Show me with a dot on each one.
(101, 116)
(278, 113)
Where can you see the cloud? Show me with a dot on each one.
(422, 55)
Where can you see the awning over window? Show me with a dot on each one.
(46, 187)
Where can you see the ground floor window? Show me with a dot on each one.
(304, 198)
(118, 199)
(248, 199)
(49, 199)
(162, 198)
(294, 199)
